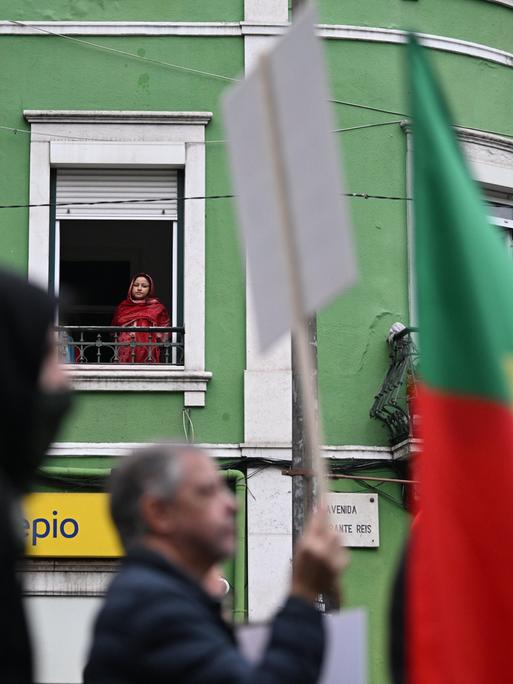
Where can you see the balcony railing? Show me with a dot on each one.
(393, 403)
(111, 344)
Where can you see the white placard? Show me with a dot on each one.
(345, 659)
(356, 517)
(287, 181)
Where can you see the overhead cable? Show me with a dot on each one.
(371, 125)
(358, 105)
(359, 195)
(74, 138)
(124, 53)
(178, 67)
(209, 74)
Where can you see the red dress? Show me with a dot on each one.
(146, 313)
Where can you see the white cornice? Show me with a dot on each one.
(122, 28)
(271, 452)
(329, 31)
(56, 116)
(112, 449)
(475, 137)
(442, 43)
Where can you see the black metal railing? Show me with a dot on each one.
(112, 344)
(392, 404)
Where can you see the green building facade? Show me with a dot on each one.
(107, 101)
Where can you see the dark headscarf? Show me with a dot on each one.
(27, 316)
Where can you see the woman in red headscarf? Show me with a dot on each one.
(142, 310)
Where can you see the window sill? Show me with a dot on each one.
(144, 378)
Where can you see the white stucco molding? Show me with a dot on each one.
(371, 34)
(145, 155)
(91, 116)
(267, 376)
(491, 160)
(442, 43)
(113, 449)
(490, 155)
(122, 28)
(404, 450)
(110, 378)
(270, 451)
(260, 28)
(269, 541)
(356, 452)
(266, 10)
(142, 138)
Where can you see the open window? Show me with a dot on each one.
(101, 237)
(92, 172)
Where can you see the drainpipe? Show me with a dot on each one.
(58, 471)
(239, 479)
(239, 579)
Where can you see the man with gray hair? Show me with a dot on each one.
(176, 519)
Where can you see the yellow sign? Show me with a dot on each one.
(63, 525)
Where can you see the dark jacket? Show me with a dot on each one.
(15, 651)
(158, 625)
(27, 314)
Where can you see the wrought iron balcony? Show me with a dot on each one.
(392, 404)
(111, 344)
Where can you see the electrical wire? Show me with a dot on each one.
(371, 125)
(359, 195)
(257, 465)
(377, 490)
(188, 425)
(209, 74)
(75, 138)
(124, 53)
(181, 67)
(370, 108)
(51, 137)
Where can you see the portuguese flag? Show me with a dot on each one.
(460, 570)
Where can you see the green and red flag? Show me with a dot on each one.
(460, 571)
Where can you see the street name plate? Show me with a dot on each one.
(356, 517)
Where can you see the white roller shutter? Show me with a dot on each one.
(78, 186)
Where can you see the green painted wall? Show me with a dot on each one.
(353, 354)
(123, 10)
(46, 72)
(367, 581)
(87, 78)
(478, 21)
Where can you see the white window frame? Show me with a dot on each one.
(491, 160)
(131, 139)
(173, 224)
